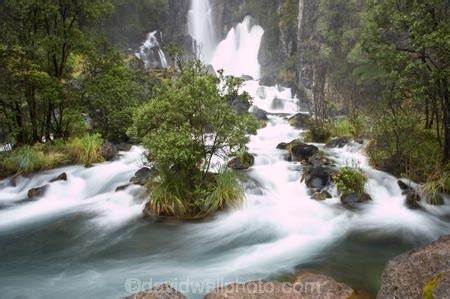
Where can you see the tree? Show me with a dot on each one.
(186, 125)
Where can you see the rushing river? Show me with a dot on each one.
(84, 240)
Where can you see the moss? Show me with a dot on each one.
(430, 285)
(350, 180)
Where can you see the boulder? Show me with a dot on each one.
(299, 120)
(404, 186)
(141, 176)
(124, 147)
(260, 114)
(283, 146)
(247, 78)
(261, 92)
(317, 177)
(37, 192)
(305, 286)
(323, 195)
(354, 198)
(339, 142)
(420, 272)
(109, 151)
(242, 163)
(412, 196)
(267, 81)
(122, 187)
(240, 105)
(61, 177)
(160, 292)
(277, 104)
(302, 151)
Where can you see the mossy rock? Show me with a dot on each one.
(242, 162)
(299, 120)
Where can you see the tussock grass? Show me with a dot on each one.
(86, 149)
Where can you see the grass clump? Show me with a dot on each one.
(86, 149)
(349, 179)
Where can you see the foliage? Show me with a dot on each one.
(86, 150)
(430, 285)
(187, 124)
(29, 159)
(349, 179)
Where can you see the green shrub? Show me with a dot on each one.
(436, 185)
(349, 179)
(27, 159)
(86, 149)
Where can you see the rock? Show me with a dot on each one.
(160, 292)
(247, 78)
(261, 92)
(141, 176)
(425, 268)
(412, 199)
(122, 187)
(37, 192)
(319, 160)
(267, 81)
(339, 142)
(242, 163)
(404, 186)
(240, 105)
(260, 114)
(283, 146)
(321, 195)
(300, 120)
(109, 151)
(317, 177)
(124, 147)
(210, 69)
(302, 151)
(306, 286)
(277, 104)
(353, 198)
(61, 177)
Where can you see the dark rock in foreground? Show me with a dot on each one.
(412, 196)
(306, 286)
(425, 270)
(37, 192)
(141, 176)
(303, 151)
(161, 292)
(61, 177)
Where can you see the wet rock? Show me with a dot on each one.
(240, 105)
(277, 104)
(37, 192)
(317, 177)
(267, 81)
(404, 186)
(160, 292)
(247, 78)
(323, 195)
(412, 196)
(339, 142)
(210, 69)
(306, 286)
(300, 120)
(302, 151)
(260, 114)
(61, 177)
(122, 188)
(141, 176)
(109, 151)
(124, 147)
(261, 92)
(283, 146)
(423, 269)
(354, 198)
(242, 163)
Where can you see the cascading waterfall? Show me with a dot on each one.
(151, 53)
(237, 55)
(201, 29)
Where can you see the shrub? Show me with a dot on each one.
(86, 149)
(27, 159)
(437, 184)
(349, 179)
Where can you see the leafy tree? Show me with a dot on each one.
(187, 124)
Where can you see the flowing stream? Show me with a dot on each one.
(84, 240)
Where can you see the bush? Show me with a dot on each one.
(349, 179)
(86, 150)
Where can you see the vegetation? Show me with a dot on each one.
(429, 287)
(188, 123)
(349, 179)
(85, 150)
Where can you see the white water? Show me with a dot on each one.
(84, 240)
(237, 55)
(201, 29)
(151, 53)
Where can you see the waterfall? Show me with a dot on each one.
(237, 55)
(201, 29)
(150, 52)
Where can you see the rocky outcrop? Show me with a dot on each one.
(425, 270)
(260, 114)
(160, 292)
(109, 151)
(61, 177)
(302, 151)
(354, 198)
(142, 176)
(317, 178)
(412, 196)
(243, 162)
(37, 192)
(305, 286)
(300, 120)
